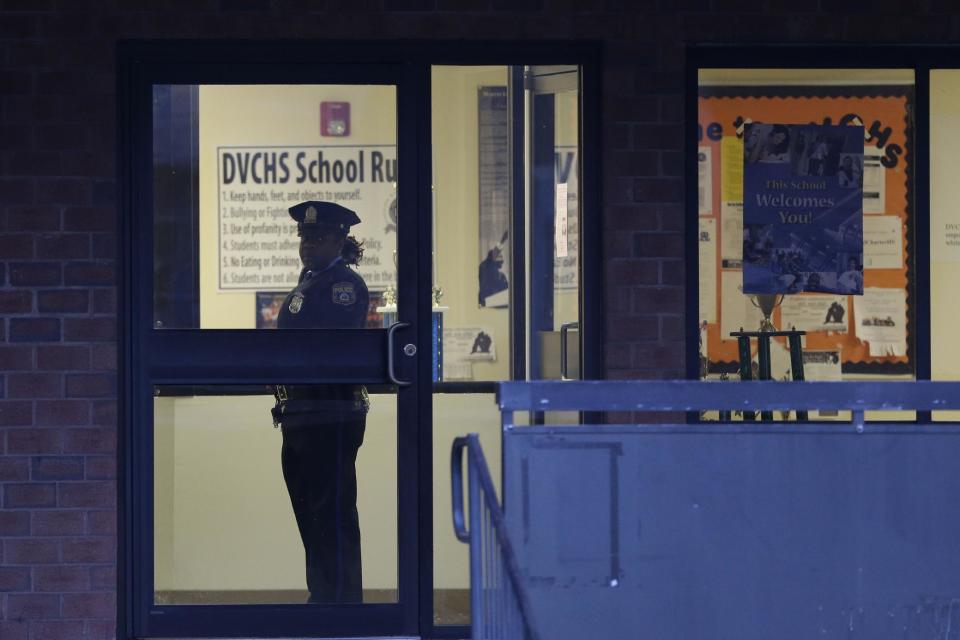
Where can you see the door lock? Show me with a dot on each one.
(410, 349)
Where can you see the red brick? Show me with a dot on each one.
(57, 468)
(658, 246)
(89, 219)
(87, 494)
(101, 467)
(29, 495)
(31, 109)
(34, 385)
(34, 329)
(67, 413)
(33, 163)
(657, 190)
(16, 191)
(103, 578)
(89, 274)
(59, 136)
(16, 246)
(15, 413)
(35, 274)
(33, 219)
(90, 441)
(13, 358)
(16, 302)
(89, 164)
(18, 25)
(63, 357)
(63, 301)
(632, 163)
(104, 301)
(90, 550)
(34, 441)
(69, 246)
(102, 522)
(89, 329)
(12, 630)
(31, 551)
(57, 523)
(57, 630)
(104, 245)
(14, 523)
(658, 300)
(89, 605)
(99, 630)
(32, 606)
(70, 191)
(14, 469)
(14, 579)
(634, 217)
(104, 412)
(61, 578)
(633, 272)
(91, 385)
(104, 357)
(104, 193)
(624, 328)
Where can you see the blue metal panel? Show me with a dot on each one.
(737, 531)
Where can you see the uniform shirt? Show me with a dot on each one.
(334, 297)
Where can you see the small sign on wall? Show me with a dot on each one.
(335, 119)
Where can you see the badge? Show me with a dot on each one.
(344, 294)
(311, 216)
(296, 303)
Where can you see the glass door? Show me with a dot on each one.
(272, 350)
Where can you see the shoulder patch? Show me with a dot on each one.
(344, 293)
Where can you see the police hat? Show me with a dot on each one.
(314, 215)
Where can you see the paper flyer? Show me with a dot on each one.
(803, 209)
(462, 346)
(821, 365)
(708, 270)
(731, 235)
(736, 309)
(731, 169)
(705, 180)
(810, 312)
(874, 183)
(880, 319)
(882, 242)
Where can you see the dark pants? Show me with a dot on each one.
(319, 467)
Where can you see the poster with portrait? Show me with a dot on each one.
(803, 209)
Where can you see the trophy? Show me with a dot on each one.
(767, 302)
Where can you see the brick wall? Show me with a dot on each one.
(58, 219)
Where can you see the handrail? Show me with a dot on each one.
(498, 609)
(692, 395)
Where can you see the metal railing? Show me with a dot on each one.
(499, 607)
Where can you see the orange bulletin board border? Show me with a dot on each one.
(885, 114)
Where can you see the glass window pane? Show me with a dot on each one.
(472, 204)
(226, 530)
(230, 160)
(944, 228)
(842, 340)
(454, 415)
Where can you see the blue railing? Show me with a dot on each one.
(499, 609)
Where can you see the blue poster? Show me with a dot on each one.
(802, 208)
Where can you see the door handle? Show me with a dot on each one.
(390, 372)
(564, 329)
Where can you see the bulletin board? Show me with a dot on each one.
(884, 114)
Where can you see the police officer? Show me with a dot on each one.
(323, 425)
